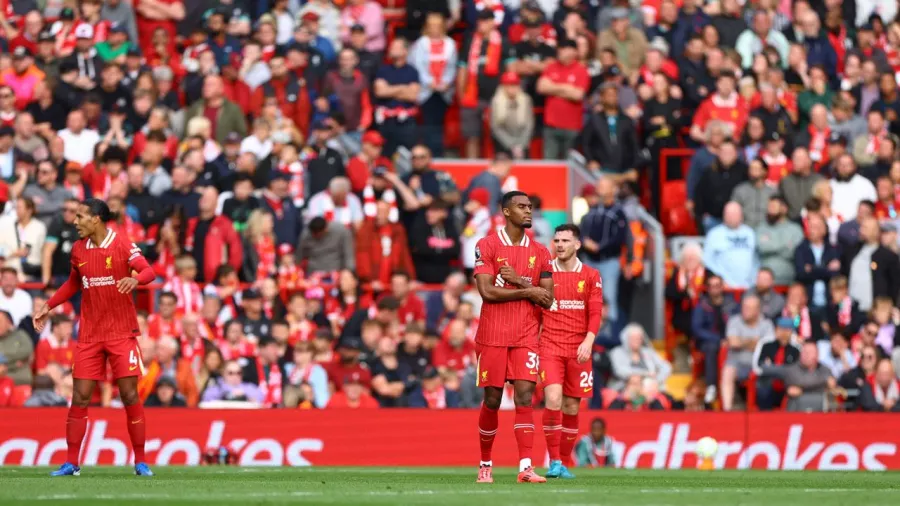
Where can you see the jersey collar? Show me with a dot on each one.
(506, 241)
(558, 268)
(110, 235)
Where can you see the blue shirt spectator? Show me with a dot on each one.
(730, 249)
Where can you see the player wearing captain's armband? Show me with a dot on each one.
(513, 276)
(567, 338)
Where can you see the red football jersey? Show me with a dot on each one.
(445, 355)
(514, 323)
(106, 314)
(576, 310)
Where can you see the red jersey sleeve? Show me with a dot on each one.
(485, 260)
(546, 263)
(583, 79)
(595, 303)
(702, 115)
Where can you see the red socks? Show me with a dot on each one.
(552, 431)
(524, 429)
(137, 430)
(487, 431)
(76, 426)
(569, 438)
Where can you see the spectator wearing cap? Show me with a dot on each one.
(534, 50)
(326, 247)
(725, 105)
(329, 19)
(483, 57)
(776, 241)
(610, 138)
(349, 349)
(114, 48)
(257, 325)
(46, 193)
(382, 247)
(87, 61)
(22, 76)
(435, 243)
(872, 269)
(16, 348)
(348, 88)
(224, 115)
(628, 42)
(310, 21)
(779, 351)
(434, 56)
(370, 156)
(565, 83)
(512, 117)
(396, 90)
(369, 14)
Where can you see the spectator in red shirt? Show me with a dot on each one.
(412, 309)
(565, 83)
(456, 352)
(353, 395)
(153, 14)
(28, 35)
(382, 248)
(6, 383)
(348, 364)
(57, 348)
(163, 323)
(360, 167)
(725, 105)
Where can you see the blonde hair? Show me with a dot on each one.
(185, 262)
(199, 126)
(254, 225)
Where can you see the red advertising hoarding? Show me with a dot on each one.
(449, 438)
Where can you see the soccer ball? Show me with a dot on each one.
(707, 447)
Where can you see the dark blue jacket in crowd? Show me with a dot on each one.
(708, 323)
(803, 257)
(608, 227)
(820, 52)
(287, 223)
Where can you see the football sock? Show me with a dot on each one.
(137, 430)
(552, 427)
(76, 426)
(524, 429)
(569, 437)
(487, 431)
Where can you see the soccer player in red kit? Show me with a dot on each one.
(567, 339)
(513, 276)
(103, 264)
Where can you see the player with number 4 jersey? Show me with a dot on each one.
(567, 341)
(103, 263)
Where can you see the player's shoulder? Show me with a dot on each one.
(592, 274)
(79, 246)
(492, 239)
(538, 247)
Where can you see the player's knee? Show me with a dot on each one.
(79, 400)
(129, 398)
(570, 405)
(523, 398)
(553, 400)
(492, 402)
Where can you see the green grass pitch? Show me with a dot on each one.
(174, 486)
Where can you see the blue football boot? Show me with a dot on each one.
(142, 469)
(67, 469)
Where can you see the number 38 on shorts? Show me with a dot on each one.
(576, 379)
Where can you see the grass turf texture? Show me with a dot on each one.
(453, 486)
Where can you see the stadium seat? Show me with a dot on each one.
(676, 385)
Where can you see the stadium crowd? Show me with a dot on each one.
(247, 147)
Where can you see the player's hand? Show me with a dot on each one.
(40, 318)
(509, 275)
(584, 350)
(126, 285)
(540, 296)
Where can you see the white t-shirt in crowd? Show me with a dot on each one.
(18, 305)
(79, 147)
